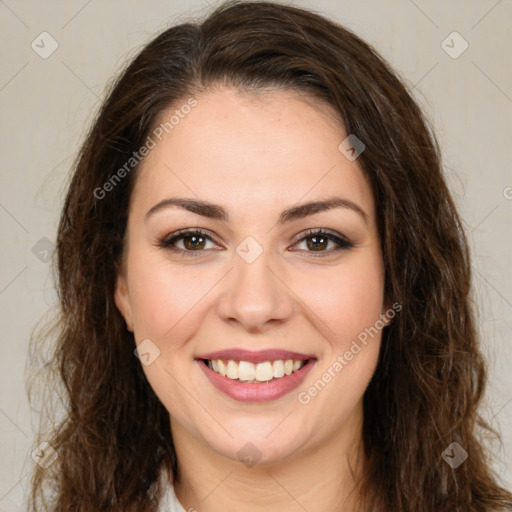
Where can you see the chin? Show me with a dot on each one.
(258, 441)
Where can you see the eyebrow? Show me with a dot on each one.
(214, 211)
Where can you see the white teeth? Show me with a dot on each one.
(278, 368)
(232, 370)
(246, 371)
(263, 371)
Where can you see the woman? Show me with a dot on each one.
(265, 287)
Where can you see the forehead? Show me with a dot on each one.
(251, 151)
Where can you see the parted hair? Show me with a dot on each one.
(111, 432)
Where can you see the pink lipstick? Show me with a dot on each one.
(256, 376)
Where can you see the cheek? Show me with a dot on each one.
(167, 306)
(347, 299)
(351, 306)
(163, 296)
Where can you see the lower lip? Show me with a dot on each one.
(257, 392)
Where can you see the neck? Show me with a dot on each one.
(318, 478)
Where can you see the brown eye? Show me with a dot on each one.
(316, 243)
(323, 242)
(192, 242)
(188, 242)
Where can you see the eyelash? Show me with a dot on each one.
(167, 243)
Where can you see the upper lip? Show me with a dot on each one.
(260, 356)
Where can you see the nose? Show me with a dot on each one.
(255, 295)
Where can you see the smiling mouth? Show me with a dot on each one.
(255, 373)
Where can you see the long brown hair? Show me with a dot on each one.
(115, 436)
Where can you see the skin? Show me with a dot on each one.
(256, 155)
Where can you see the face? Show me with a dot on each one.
(252, 237)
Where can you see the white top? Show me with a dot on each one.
(169, 502)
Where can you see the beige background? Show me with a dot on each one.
(47, 104)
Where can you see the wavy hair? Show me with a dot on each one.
(113, 437)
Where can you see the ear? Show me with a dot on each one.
(122, 300)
